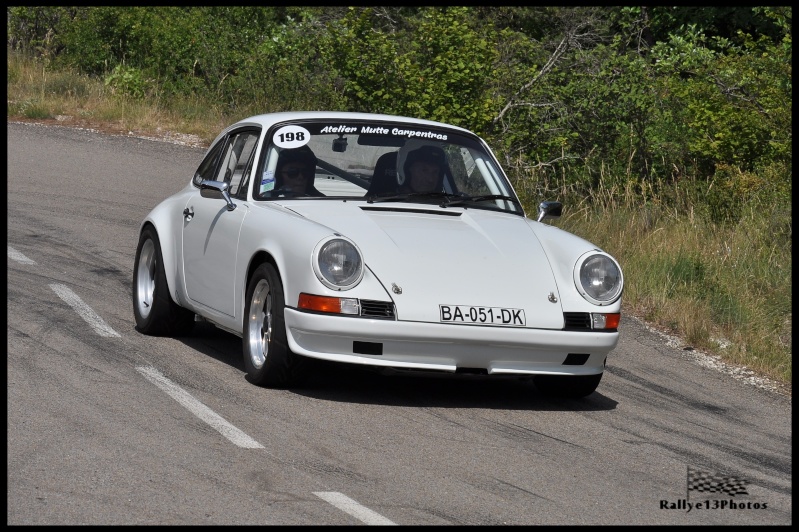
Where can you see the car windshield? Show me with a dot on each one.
(381, 162)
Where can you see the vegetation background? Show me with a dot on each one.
(666, 131)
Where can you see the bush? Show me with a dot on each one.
(127, 81)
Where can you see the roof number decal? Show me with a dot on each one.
(291, 137)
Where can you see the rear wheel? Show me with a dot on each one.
(155, 311)
(567, 385)
(267, 357)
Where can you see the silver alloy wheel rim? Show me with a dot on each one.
(145, 280)
(260, 330)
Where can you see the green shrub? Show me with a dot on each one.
(127, 81)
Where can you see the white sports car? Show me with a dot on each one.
(377, 240)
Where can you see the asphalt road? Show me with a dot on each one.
(107, 426)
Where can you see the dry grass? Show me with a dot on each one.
(36, 93)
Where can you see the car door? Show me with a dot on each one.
(211, 230)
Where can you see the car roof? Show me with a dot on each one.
(269, 119)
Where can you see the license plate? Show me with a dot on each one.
(508, 317)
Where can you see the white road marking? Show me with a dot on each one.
(339, 500)
(84, 310)
(198, 409)
(19, 257)
(345, 504)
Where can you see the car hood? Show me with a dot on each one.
(426, 256)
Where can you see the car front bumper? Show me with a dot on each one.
(447, 347)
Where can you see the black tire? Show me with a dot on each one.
(267, 358)
(573, 386)
(155, 312)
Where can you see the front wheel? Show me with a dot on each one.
(155, 311)
(573, 386)
(267, 357)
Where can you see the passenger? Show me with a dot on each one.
(295, 171)
(424, 170)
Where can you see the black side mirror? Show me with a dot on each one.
(549, 209)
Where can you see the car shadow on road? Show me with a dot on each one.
(329, 381)
(211, 341)
(362, 384)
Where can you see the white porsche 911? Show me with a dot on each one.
(376, 240)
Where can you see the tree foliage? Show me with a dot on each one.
(439, 75)
(587, 97)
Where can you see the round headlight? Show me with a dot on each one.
(338, 264)
(598, 278)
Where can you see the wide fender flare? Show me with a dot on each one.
(170, 236)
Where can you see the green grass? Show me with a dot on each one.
(724, 286)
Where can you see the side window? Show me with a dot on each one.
(240, 163)
(207, 167)
(228, 160)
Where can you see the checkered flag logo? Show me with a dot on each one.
(705, 482)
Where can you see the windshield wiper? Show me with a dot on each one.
(410, 195)
(463, 200)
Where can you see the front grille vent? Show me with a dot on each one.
(577, 321)
(377, 309)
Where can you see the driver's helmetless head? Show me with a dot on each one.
(295, 169)
(424, 169)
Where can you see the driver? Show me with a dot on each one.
(424, 170)
(295, 171)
